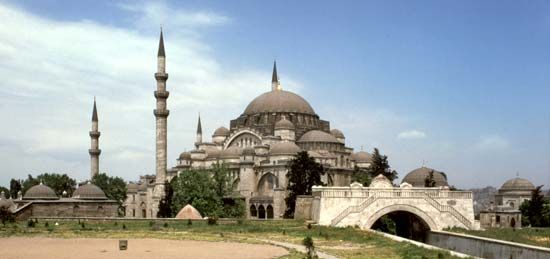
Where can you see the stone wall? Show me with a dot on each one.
(485, 247)
(303, 207)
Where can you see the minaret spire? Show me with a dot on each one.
(94, 147)
(198, 140)
(275, 85)
(161, 120)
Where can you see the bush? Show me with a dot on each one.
(31, 223)
(309, 226)
(310, 248)
(212, 221)
(124, 226)
(46, 224)
(240, 221)
(165, 224)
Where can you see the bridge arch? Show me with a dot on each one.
(400, 207)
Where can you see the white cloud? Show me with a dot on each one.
(492, 142)
(52, 69)
(411, 134)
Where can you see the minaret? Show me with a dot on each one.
(275, 78)
(161, 117)
(94, 149)
(198, 140)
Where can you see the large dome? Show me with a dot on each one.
(89, 192)
(517, 184)
(40, 192)
(318, 136)
(279, 101)
(417, 177)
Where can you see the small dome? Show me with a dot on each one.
(380, 181)
(284, 124)
(213, 153)
(362, 157)
(318, 136)
(337, 133)
(185, 156)
(284, 148)
(417, 177)
(188, 212)
(221, 131)
(278, 101)
(517, 184)
(89, 191)
(40, 192)
(249, 151)
(231, 152)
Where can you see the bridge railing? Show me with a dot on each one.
(366, 192)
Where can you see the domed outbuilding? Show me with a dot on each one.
(188, 212)
(40, 192)
(514, 192)
(89, 191)
(417, 177)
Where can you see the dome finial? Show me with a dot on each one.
(275, 85)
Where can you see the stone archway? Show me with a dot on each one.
(261, 212)
(253, 211)
(269, 212)
(400, 207)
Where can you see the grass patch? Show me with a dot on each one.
(529, 236)
(343, 242)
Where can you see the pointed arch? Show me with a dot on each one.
(267, 183)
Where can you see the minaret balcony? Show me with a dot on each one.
(94, 152)
(161, 76)
(95, 134)
(162, 94)
(161, 113)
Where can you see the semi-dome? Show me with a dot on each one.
(185, 156)
(337, 133)
(89, 191)
(361, 157)
(279, 101)
(231, 152)
(284, 124)
(284, 148)
(40, 192)
(417, 177)
(517, 184)
(318, 136)
(221, 131)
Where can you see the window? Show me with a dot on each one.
(134, 213)
(498, 219)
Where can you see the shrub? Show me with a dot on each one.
(212, 220)
(46, 224)
(116, 223)
(31, 223)
(165, 224)
(309, 226)
(124, 226)
(240, 221)
(310, 248)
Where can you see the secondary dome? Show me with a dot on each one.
(185, 156)
(231, 152)
(517, 184)
(284, 124)
(337, 133)
(279, 101)
(284, 148)
(318, 136)
(89, 191)
(40, 192)
(361, 157)
(417, 177)
(221, 131)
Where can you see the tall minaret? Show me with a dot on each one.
(198, 140)
(275, 78)
(161, 116)
(94, 149)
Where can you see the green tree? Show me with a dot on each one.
(380, 165)
(222, 182)
(429, 181)
(15, 187)
(303, 174)
(196, 187)
(6, 215)
(58, 182)
(536, 206)
(524, 208)
(114, 188)
(361, 176)
(165, 204)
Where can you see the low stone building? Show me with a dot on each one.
(40, 201)
(500, 217)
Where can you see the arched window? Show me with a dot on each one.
(267, 183)
(261, 212)
(269, 212)
(253, 211)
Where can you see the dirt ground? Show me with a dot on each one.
(90, 248)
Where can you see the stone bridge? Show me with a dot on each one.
(362, 206)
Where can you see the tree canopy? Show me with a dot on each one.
(58, 182)
(196, 187)
(379, 165)
(536, 212)
(15, 187)
(304, 172)
(430, 181)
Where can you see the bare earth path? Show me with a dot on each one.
(91, 248)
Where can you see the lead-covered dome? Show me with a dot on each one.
(40, 192)
(221, 131)
(517, 184)
(284, 148)
(89, 191)
(279, 101)
(337, 133)
(417, 177)
(361, 157)
(231, 152)
(318, 136)
(284, 124)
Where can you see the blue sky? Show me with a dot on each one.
(462, 85)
